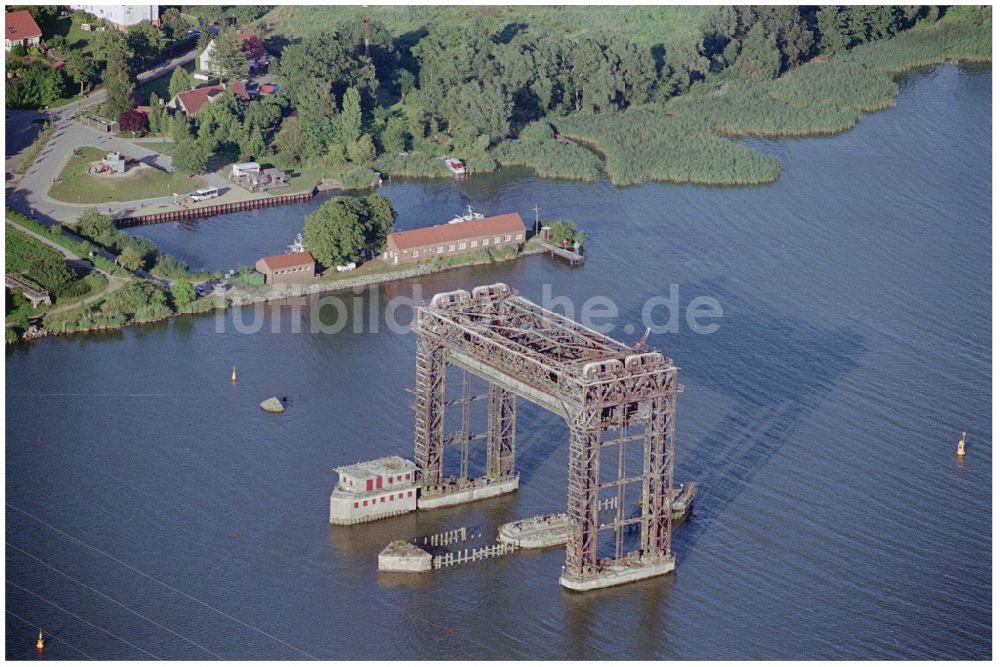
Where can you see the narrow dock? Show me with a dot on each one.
(574, 258)
(208, 211)
(549, 530)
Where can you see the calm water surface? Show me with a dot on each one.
(160, 513)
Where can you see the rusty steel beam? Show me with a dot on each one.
(501, 433)
(594, 382)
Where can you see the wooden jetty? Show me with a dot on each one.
(574, 258)
(217, 209)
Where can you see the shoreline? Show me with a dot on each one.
(283, 292)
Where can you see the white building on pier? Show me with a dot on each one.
(372, 490)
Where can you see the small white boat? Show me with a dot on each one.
(470, 215)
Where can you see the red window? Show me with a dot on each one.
(366, 503)
(378, 482)
(382, 499)
(369, 484)
(407, 475)
(391, 497)
(410, 494)
(399, 478)
(355, 506)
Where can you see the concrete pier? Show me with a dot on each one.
(404, 557)
(537, 532)
(477, 490)
(616, 575)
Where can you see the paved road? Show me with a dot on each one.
(97, 97)
(31, 196)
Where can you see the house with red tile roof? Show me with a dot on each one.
(446, 240)
(190, 102)
(20, 29)
(291, 267)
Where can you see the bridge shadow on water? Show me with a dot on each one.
(776, 368)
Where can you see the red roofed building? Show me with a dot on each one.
(20, 29)
(292, 267)
(190, 102)
(445, 240)
(239, 89)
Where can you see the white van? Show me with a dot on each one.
(204, 193)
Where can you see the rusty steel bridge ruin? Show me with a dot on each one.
(611, 395)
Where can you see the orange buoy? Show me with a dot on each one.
(40, 644)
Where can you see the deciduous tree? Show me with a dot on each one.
(130, 260)
(80, 69)
(190, 156)
(182, 293)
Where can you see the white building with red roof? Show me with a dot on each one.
(20, 29)
(446, 240)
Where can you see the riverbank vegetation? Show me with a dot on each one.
(539, 149)
(141, 253)
(42, 266)
(653, 101)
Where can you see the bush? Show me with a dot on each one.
(133, 121)
(560, 231)
(138, 300)
(182, 293)
(169, 266)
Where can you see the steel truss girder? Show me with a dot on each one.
(525, 350)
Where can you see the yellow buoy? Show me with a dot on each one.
(961, 445)
(40, 644)
(234, 373)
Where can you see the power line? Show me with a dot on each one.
(51, 636)
(80, 618)
(162, 583)
(120, 604)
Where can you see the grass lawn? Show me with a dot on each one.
(301, 179)
(77, 186)
(164, 147)
(159, 85)
(68, 27)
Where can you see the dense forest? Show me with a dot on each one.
(496, 91)
(639, 93)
